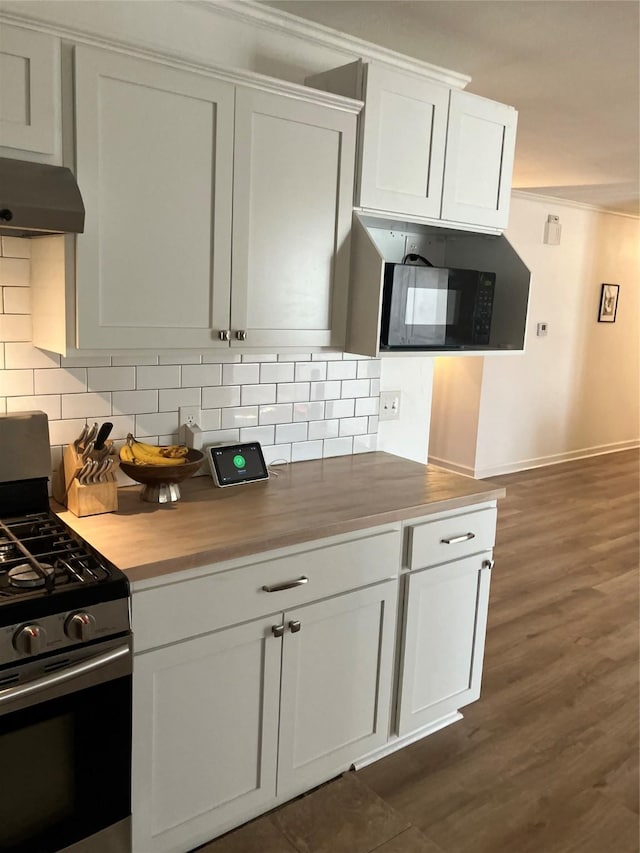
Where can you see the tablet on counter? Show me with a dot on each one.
(233, 464)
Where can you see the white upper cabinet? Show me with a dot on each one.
(426, 151)
(481, 141)
(29, 94)
(292, 200)
(402, 143)
(154, 149)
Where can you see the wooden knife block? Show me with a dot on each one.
(90, 499)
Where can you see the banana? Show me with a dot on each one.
(126, 454)
(149, 454)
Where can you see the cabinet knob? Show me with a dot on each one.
(241, 335)
(224, 335)
(277, 630)
(294, 626)
(488, 564)
(6, 215)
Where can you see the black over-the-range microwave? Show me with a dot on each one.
(426, 307)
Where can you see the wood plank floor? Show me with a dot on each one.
(547, 760)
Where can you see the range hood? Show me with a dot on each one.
(38, 199)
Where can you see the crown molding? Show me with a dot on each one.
(255, 13)
(580, 205)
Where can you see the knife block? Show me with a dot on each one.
(89, 499)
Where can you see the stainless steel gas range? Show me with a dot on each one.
(65, 669)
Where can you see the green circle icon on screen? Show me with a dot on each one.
(239, 460)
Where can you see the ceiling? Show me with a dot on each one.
(570, 67)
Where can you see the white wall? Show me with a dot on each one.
(574, 392)
(409, 435)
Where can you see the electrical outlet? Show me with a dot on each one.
(389, 406)
(189, 415)
(412, 247)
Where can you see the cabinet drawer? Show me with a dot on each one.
(451, 538)
(184, 609)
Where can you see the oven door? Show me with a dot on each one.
(65, 748)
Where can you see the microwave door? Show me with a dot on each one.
(419, 311)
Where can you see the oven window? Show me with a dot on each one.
(65, 768)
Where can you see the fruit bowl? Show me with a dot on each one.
(161, 481)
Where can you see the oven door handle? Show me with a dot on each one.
(57, 679)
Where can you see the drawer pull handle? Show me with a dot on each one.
(277, 630)
(294, 626)
(455, 539)
(488, 564)
(278, 587)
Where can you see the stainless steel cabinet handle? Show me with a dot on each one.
(224, 335)
(455, 539)
(277, 630)
(241, 335)
(488, 564)
(278, 587)
(294, 626)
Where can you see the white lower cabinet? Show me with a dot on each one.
(229, 724)
(443, 640)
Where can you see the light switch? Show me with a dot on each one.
(541, 329)
(552, 230)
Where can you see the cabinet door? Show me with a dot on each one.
(480, 149)
(443, 640)
(154, 155)
(292, 201)
(336, 684)
(29, 91)
(204, 734)
(402, 143)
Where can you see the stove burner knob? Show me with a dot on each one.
(80, 626)
(30, 639)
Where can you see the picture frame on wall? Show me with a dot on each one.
(608, 303)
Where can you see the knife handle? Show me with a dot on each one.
(103, 434)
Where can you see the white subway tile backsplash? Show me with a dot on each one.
(325, 390)
(15, 247)
(353, 426)
(15, 272)
(283, 372)
(339, 409)
(279, 414)
(355, 388)
(293, 392)
(216, 398)
(365, 443)
(25, 356)
(240, 374)
(306, 450)
(299, 406)
(309, 371)
(15, 327)
(220, 436)
(239, 417)
(324, 429)
(369, 369)
(308, 411)
(16, 383)
(134, 402)
(342, 370)
(170, 399)
(338, 447)
(165, 376)
(367, 406)
(199, 375)
(276, 455)
(286, 433)
(263, 434)
(49, 404)
(255, 395)
(92, 406)
(16, 300)
(158, 423)
(112, 378)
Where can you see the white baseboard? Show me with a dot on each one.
(396, 742)
(537, 462)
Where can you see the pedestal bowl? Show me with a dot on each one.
(161, 482)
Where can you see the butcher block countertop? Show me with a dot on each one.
(306, 501)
